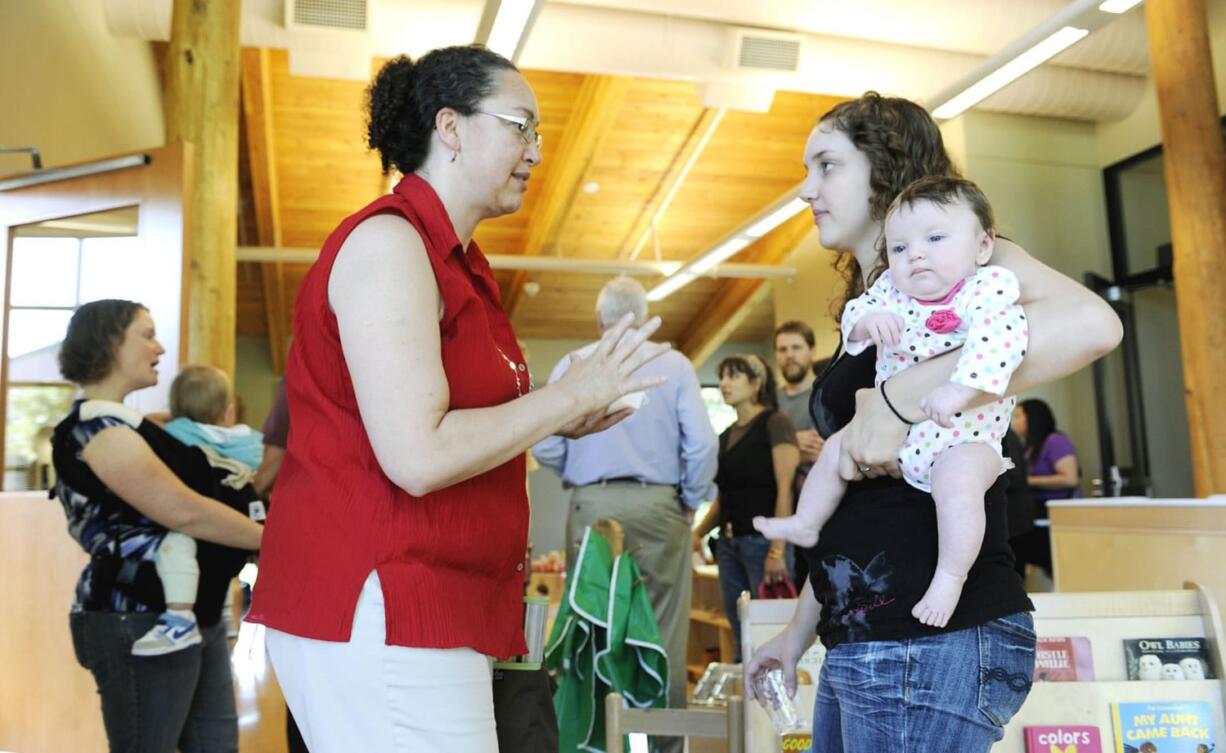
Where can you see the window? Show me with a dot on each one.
(722, 415)
(56, 266)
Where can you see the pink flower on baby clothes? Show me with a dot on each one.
(943, 322)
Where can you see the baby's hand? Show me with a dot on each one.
(942, 403)
(883, 328)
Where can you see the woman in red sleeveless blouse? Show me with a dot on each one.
(392, 566)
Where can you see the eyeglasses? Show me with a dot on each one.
(527, 130)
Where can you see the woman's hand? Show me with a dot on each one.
(781, 652)
(607, 373)
(775, 569)
(871, 441)
(700, 546)
(594, 422)
(810, 444)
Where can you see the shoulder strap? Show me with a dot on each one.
(69, 467)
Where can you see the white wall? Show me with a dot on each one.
(71, 88)
(254, 380)
(1141, 129)
(808, 297)
(1045, 184)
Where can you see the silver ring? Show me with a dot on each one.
(864, 469)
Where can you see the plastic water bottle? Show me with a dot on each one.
(772, 694)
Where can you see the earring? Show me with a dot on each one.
(454, 155)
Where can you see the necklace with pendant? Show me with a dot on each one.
(515, 372)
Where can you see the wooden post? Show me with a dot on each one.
(202, 95)
(1196, 191)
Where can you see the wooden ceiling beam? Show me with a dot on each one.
(670, 182)
(733, 300)
(261, 155)
(592, 118)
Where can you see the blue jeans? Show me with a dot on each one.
(158, 704)
(953, 691)
(741, 561)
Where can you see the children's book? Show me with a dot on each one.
(1167, 659)
(1168, 727)
(1063, 660)
(1064, 738)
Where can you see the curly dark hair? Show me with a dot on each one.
(902, 144)
(406, 95)
(95, 332)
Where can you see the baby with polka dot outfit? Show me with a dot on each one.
(936, 296)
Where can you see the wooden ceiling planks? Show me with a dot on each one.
(323, 172)
(597, 103)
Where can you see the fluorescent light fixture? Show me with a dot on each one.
(670, 285)
(776, 218)
(731, 245)
(721, 253)
(1010, 71)
(509, 26)
(1118, 6)
(53, 174)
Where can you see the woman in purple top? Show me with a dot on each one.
(1054, 473)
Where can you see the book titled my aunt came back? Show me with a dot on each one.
(1164, 727)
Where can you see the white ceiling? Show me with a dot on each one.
(979, 27)
(901, 47)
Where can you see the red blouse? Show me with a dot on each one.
(450, 562)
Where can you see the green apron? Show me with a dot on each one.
(605, 638)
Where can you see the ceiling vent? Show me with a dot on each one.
(340, 15)
(765, 51)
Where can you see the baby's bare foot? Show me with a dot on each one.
(940, 600)
(791, 529)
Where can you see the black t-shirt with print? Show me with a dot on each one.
(877, 553)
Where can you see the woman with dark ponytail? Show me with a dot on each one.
(758, 457)
(392, 568)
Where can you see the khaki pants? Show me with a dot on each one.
(658, 534)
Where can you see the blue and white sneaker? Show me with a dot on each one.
(171, 633)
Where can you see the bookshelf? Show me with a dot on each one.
(1107, 619)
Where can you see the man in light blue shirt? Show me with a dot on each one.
(648, 472)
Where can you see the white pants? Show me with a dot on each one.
(177, 568)
(370, 697)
